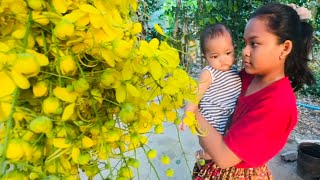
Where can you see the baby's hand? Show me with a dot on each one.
(200, 161)
(182, 126)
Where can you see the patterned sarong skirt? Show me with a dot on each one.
(210, 171)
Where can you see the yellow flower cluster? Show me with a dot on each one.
(191, 121)
(78, 85)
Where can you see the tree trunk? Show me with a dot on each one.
(176, 22)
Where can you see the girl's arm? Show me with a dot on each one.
(214, 145)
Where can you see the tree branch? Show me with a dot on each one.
(176, 21)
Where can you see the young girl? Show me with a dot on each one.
(219, 82)
(277, 44)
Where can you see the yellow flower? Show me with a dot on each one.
(14, 149)
(169, 172)
(121, 93)
(87, 142)
(19, 33)
(127, 113)
(68, 66)
(159, 129)
(144, 49)
(108, 56)
(104, 152)
(84, 158)
(165, 159)
(68, 111)
(75, 153)
(112, 135)
(40, 18)
(110, 78)
(134, 5)
(7, 82)
(122, 48)
(4, 47)
(51, 105)
(41, 58)
(41, 124)
(40, 89)
(96, 94)
(60, 5)
(137, 28)
(61, 143)
(64, 94)
(168, 58)
(89, 9)
(132, 90)
(189, 119)
(155, 69)
(127, 71)
(36, 4)
(133, 162)
(159, 29)
(64, 29)
(125, 172)
(152, 153)
(27, 65)
(20, 80)
(19, 7)
(171, 115)
(154, 44)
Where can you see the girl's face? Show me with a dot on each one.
(220, 52)
(261, 54)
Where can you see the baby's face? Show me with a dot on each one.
(220, 52)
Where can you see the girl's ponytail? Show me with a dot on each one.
(306, 37)
(297, 67)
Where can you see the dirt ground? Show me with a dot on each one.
(282, 170)
(308, 128)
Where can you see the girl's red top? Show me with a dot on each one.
(262, 122)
